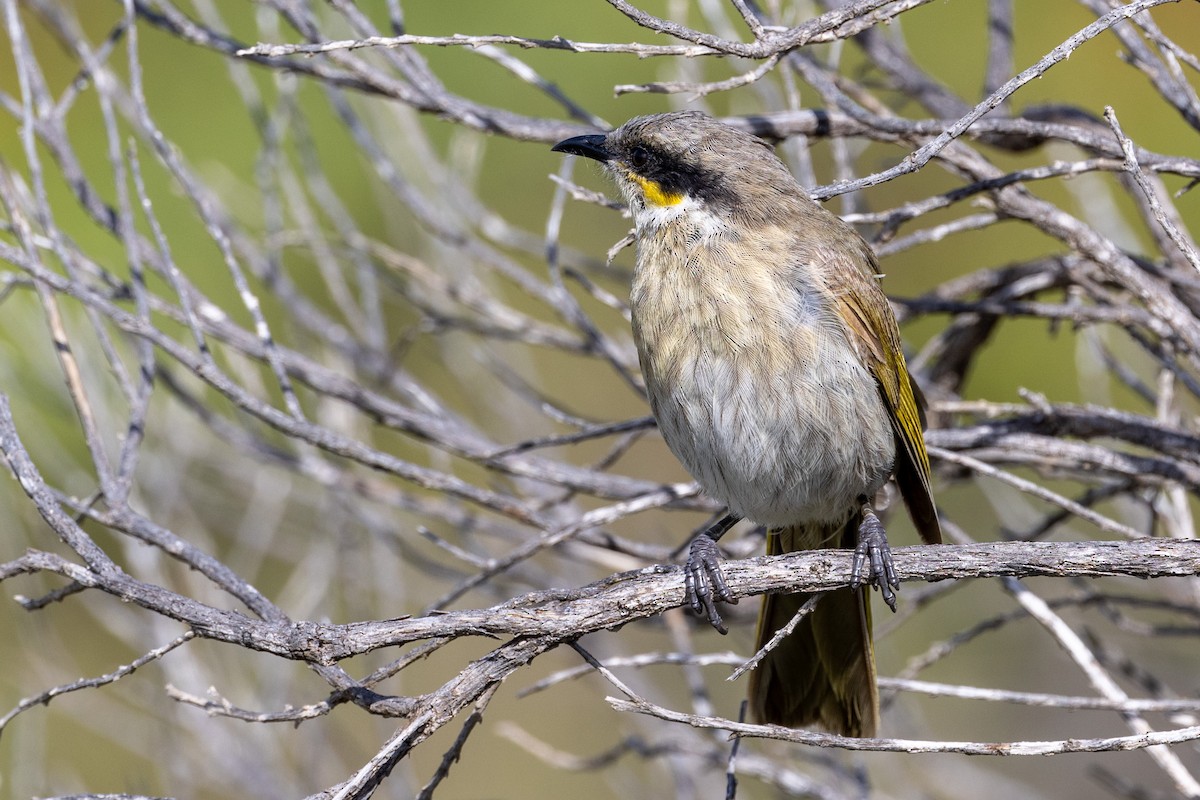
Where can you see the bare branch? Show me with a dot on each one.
(1032, 748)
(330, 365)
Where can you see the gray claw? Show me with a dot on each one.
(704, 582)
(873, 559)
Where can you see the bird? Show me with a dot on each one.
(774, 369)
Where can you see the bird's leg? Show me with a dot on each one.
(873, 557)
(704, 583)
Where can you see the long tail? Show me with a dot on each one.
(824, 672)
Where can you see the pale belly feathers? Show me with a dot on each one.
(757, 390)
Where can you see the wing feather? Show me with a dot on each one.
(876, 337)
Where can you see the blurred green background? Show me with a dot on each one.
(125, 737)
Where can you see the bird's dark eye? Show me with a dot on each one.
(639, 157)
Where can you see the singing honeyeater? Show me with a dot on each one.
(774, 369)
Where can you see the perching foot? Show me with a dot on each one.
(704, 582)
(873, 559)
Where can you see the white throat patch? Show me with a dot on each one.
(689, 211)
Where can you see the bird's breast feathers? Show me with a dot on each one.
(752, 378)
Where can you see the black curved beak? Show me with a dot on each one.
(590, 146)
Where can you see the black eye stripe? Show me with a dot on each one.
(679, 176)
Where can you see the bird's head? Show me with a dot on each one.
(684, 163)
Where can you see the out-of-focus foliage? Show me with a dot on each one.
(292, 334)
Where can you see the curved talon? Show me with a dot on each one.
(873, 552)
(704, 582)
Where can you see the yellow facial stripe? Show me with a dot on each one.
(655, 194)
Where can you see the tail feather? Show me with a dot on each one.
(824, 672)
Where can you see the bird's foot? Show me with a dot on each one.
(704, 582)
(873, 559)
